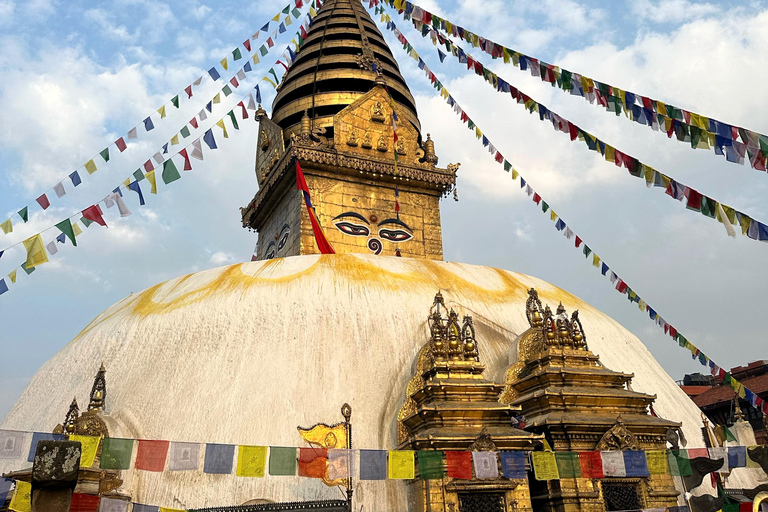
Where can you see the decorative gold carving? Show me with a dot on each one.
(108, 482)
(91, 424)
(377, 113)
(381, 145)
(264, 140)
(618, 438)
(533, 308)
(401, 148)
(483, 443)
(70, 419)
(99, 390)
(367, 143)
(352, 138)
(429, 151)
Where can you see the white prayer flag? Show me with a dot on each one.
(613, 277)
(124, 211)
(568, 233)
(485, 464)
(722, 217)
(197, 82)
(197, 149)
(720, 453)
(113, 505)
(341, 463)
(158, 157)
(251, 103)
(11, 444)
(528, 190)
(51, 247)
(132, 133)
(202, 115)
(241, 74)
(613, 464)
(59, 189)
(184, 457)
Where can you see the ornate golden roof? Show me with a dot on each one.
(335, 66)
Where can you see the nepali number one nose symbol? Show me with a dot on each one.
(392, 230)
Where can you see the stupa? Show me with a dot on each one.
(244, 354)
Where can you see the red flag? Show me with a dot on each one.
(43, 201)
(299, 4)
(151, 455)
(84, 502)
(120, 143)
(188, 90)
(270, 43)
(464, 116)
(303, 32)
(301, 182)
(536, 198)
(499, 157)
(573, 130)
(591, 464)
(234, 82)
(245, 111)
(313, 462)
(621, 286)
(148, 166)
(427, 17)
(193, 122)
(459, 464)
(247, 44)
(647, 103)
(578, 241)
(284, 65)
(322, 242)
(94, 213)
(187, 163)
(694, 199)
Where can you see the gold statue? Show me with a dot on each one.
(264, 140)
(400, 147)
(352, 138)
(377, 113)
(382, 144)
(367, 143)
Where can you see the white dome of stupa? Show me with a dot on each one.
(246, 353)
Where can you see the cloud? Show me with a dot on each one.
(222, 258)
(672, 11)
(103, 19)
(7, 8)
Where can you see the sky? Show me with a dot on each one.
(74, 77)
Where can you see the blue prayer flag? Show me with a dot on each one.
(258, 94)
(635, 463)
(513, 464)
(136, 188)
(265, 27)
(3, 286)
(61, 238)
(1, 254)
(441, 55)
(44, 436)
(138, 507)
(421, 63)
(165, 148)
(75, 178)
(281, 28)
(209, 106)
(148, 125)
(118, 191)
(247, 67)
(737, 456)
(208, 138)
(373, 465)
(5, 486)
(218, 458)
(522, 182)
(214, 74)
(605, 268)
(485, 141)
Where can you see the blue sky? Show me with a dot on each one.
(74, 77)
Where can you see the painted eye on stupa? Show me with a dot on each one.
(352, 228)
(283, 239)
(270, 251)
(398, 232)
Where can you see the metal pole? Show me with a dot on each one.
(346, 411)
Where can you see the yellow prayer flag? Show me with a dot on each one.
(444, 93)
(161, 111)
(90, 445)
(277, 17)
(610, 154)
(217, 98)
(36, 253)
(12, 276)
(478, 133)
(152, 181)
(505, 54)
(667, 123)
(220, 124)
(251, 461)
(255, 58)
(90, 166)
(175, 140)
(730, 213)
(751, 463)
(288, 20)
(552, 215)
(127, 182)
(587, 84)
(270, 81)
(22, 497)
(166, 509)
(475, 40)
(699, 121)
(76, 229)
(661, 108)
(657, 461)
(401, 465)
(224, 64)
(516, 59)
(744, 221)
(595, 260)
(7, 226)
(545, 466)
(665, 180)
(312, 11)
(742, 392)
(515, 174)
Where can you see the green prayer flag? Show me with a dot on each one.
(231, 114)
(175, 101)
(729, 435)
(764, 144)
(282, 461)
(138, 175)
(430, 464)
(226, 90)
(296, 13)
(116, 453)
(695, 136)
(568, 464)
(587, 251)
(185, 132)
(170, 173)
(708, 206)
(272, 70)
(470, 124)
(27, 270)
(105, 154)
(263, 50)
(678, 462)
(287, 9)
(65, 227)
(565, 79)
(24, 214)
(544, 206)
(86, 222)
(236, 55)
(507, 165)
(603, 88)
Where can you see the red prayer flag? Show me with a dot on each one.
(148, 166)
(253, 258)
(234, 81)
(499, 157)
(299, 4)
(84, 502)
(188, 90)
(591, 464)
(621, 286)
(245, 111)
(694, 199)
(193, 122)
(151, 455)
(427, 17)
(301, 182)
(313, 462)
(303, 32)
(672, 332)
(120, 143)
(270, 43)
(459, 464)
(247, 44)
(573, 130)
(43, 201)
(536, 198)
(578, 241)
(94, 213)
(187, 163)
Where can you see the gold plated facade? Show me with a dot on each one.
(566, 394)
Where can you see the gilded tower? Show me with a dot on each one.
(580, 405)
(336, 111)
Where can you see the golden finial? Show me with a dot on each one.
(99, 390)
(429, 151)
(306, 124)
(71, 418)
(260, 112)
(533, 308)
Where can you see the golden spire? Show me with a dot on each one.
(99, 390)
(70, 419)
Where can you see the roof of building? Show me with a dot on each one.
(723, 394)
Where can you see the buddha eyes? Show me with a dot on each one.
(270, 251)
(352, 229)
(395, 235)
(283, 240)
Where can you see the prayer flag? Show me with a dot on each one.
(138, 507)
(282, 461)
(161, 111)
(90, 166)
(184, 457)
(401, 465)
(656, 461)
(197, 149)
(313, 462)
(120, 143)
(75, 177)
(134, 185)
(175, 101)
(7, 226)
(185, 131)
(116, 453)
(459, 464)
(678, 463)
(635, 463)
(214, 73)
(720, 453)
(322, 242)
(545, 466)
(373, 465)
(170, 173)
(185, 156)
(151, 455)
(341, 464)
(486, 464)
(737, 456)
(89, 447)
(76, 229)
(236, 55)
(232, 116)
(209, 139)
(22, 497)
(59, 189)
(148, 125)
(568, 464)
(175, 140)
(36, 254)
(113, 505)
(43, 202)
(94, 214)
(591, 465)
(613, 464)
(430, 464)
(3, 286)
(218, 458)
(251, 461)
(11, 442)
(513, 464)
(224, 63)
(83, 503)
(166, 509)
(132, 133)
(5, 487)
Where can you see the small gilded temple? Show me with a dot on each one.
(248, 353)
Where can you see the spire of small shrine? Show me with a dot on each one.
(99, 390)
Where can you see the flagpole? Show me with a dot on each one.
(346, 411)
